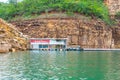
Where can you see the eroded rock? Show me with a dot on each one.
(4, 46)
(88, 34)
(10, 38)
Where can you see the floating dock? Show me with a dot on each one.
(77, 49)
(100, 49)
(66, 49)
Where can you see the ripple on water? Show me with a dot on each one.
(6, 78)
(83, 78)
(53, 66)
(53, 78)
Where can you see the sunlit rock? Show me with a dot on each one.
(10, 38)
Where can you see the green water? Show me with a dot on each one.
(73, 65)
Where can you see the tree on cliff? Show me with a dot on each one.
(12, 1)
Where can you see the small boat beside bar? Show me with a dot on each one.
(78, 48)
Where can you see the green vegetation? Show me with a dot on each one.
(31, 7)
(117, 16)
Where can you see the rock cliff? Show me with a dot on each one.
(88, 33)
(116, 33)
(10, 38)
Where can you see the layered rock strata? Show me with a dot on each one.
(85, 33)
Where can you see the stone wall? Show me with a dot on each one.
(87, 34)
(113, 6)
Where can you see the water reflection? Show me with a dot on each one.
(60, 65)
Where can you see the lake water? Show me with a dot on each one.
(69, 65)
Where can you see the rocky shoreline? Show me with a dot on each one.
(11, 39)
(87, 33)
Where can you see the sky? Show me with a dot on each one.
(3, 0)
(7, 0)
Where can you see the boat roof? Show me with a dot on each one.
(51, 38)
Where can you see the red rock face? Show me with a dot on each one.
(113, 6)
(87, 34)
